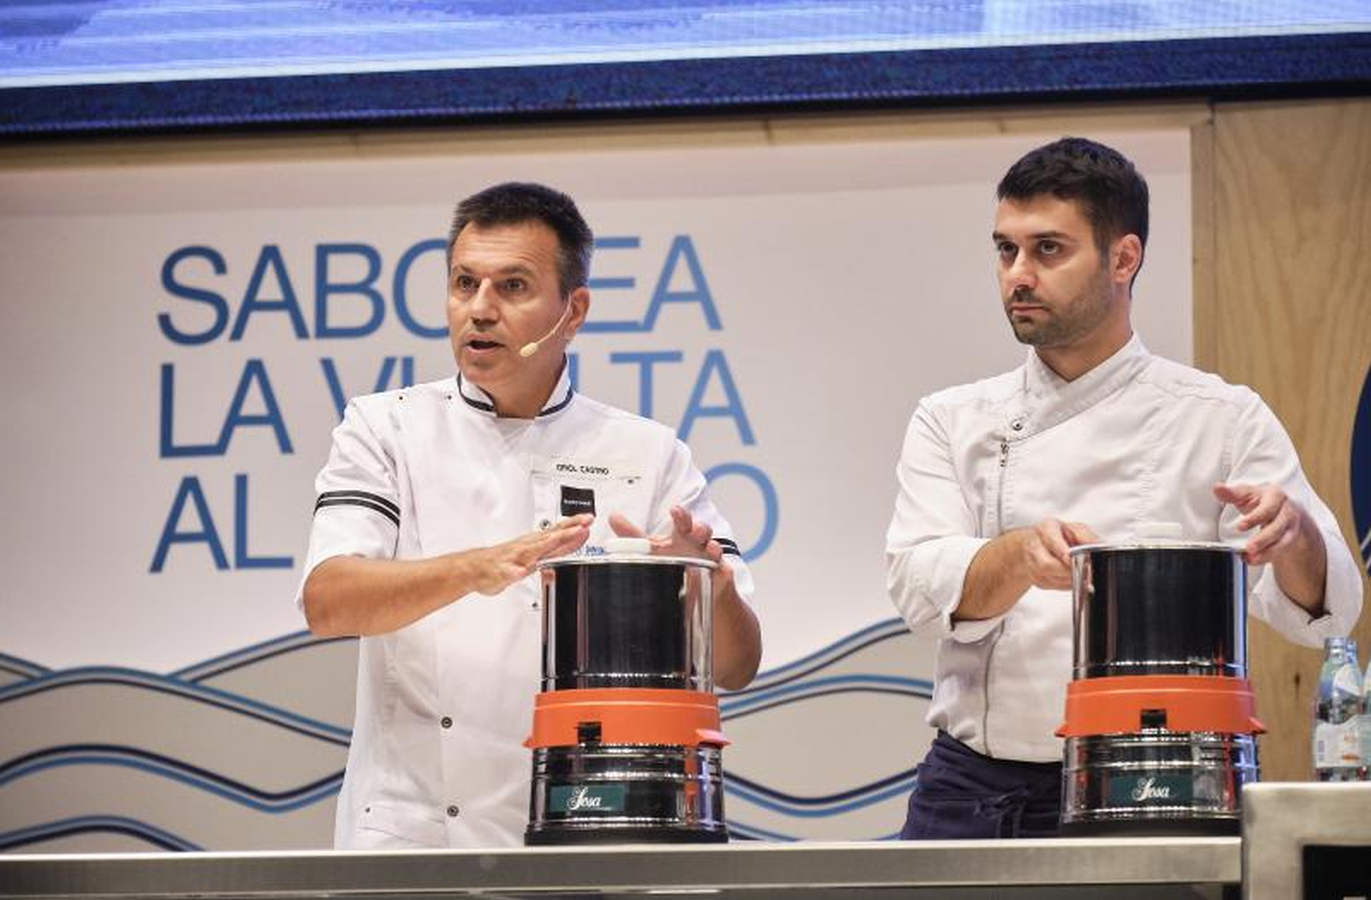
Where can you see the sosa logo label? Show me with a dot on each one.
(1150, 790)
(1361, 472)
(600, 798)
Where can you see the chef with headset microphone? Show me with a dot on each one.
(437, 503)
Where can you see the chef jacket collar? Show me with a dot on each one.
(1053, 399)
(477, 399)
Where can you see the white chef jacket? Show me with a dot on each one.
(444, 704)
(1136, 440)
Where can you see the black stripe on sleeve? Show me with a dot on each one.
(359, 498)
(728, 546)
(361, 495)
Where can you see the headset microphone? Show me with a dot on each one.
(531, 347)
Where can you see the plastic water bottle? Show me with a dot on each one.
(1337, 713)
(1366, 724)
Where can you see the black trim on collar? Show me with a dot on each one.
(471, 401)
(560, 406)
(490, 407)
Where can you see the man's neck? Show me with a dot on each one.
(525, 404)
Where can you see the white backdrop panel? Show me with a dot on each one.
(848, 280)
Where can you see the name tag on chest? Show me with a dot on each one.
(585, 485)
(578, 470)
(583, 471)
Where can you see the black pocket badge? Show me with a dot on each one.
(576, 501)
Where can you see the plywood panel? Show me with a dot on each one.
(1291, 317)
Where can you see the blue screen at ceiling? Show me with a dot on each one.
(288, 59)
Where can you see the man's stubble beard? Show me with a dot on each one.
(1064, 326)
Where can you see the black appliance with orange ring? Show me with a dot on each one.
(626, 738)
(1160, 722)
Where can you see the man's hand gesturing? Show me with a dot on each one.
(496, 568)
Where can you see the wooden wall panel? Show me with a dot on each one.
(1204, 308)
(1288, 312)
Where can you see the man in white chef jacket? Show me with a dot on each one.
(1090, 439)
(437, 503)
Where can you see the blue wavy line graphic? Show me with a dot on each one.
(825, 656)
(899, 778)
(787, 701)
(185, 681)
(803, 812)
(854, 798)
(268, 647)
(300, 640)
(865, 637)
(238, 659)
(175, 770)
(197, 692)
(785, 685)
(753, 833)
(731, 707)
(21, 667)
(87, 824)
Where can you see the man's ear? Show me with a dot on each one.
(580, 308)
(1125, 258)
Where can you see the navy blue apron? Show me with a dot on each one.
(962, 794)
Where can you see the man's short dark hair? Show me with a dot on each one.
(516, 202)
(1112, 194)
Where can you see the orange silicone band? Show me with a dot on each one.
(1097, 706)
(627, 716)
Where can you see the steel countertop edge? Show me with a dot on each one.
(882, 864)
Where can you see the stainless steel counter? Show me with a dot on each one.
(1140, 867)
(1281, 822)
